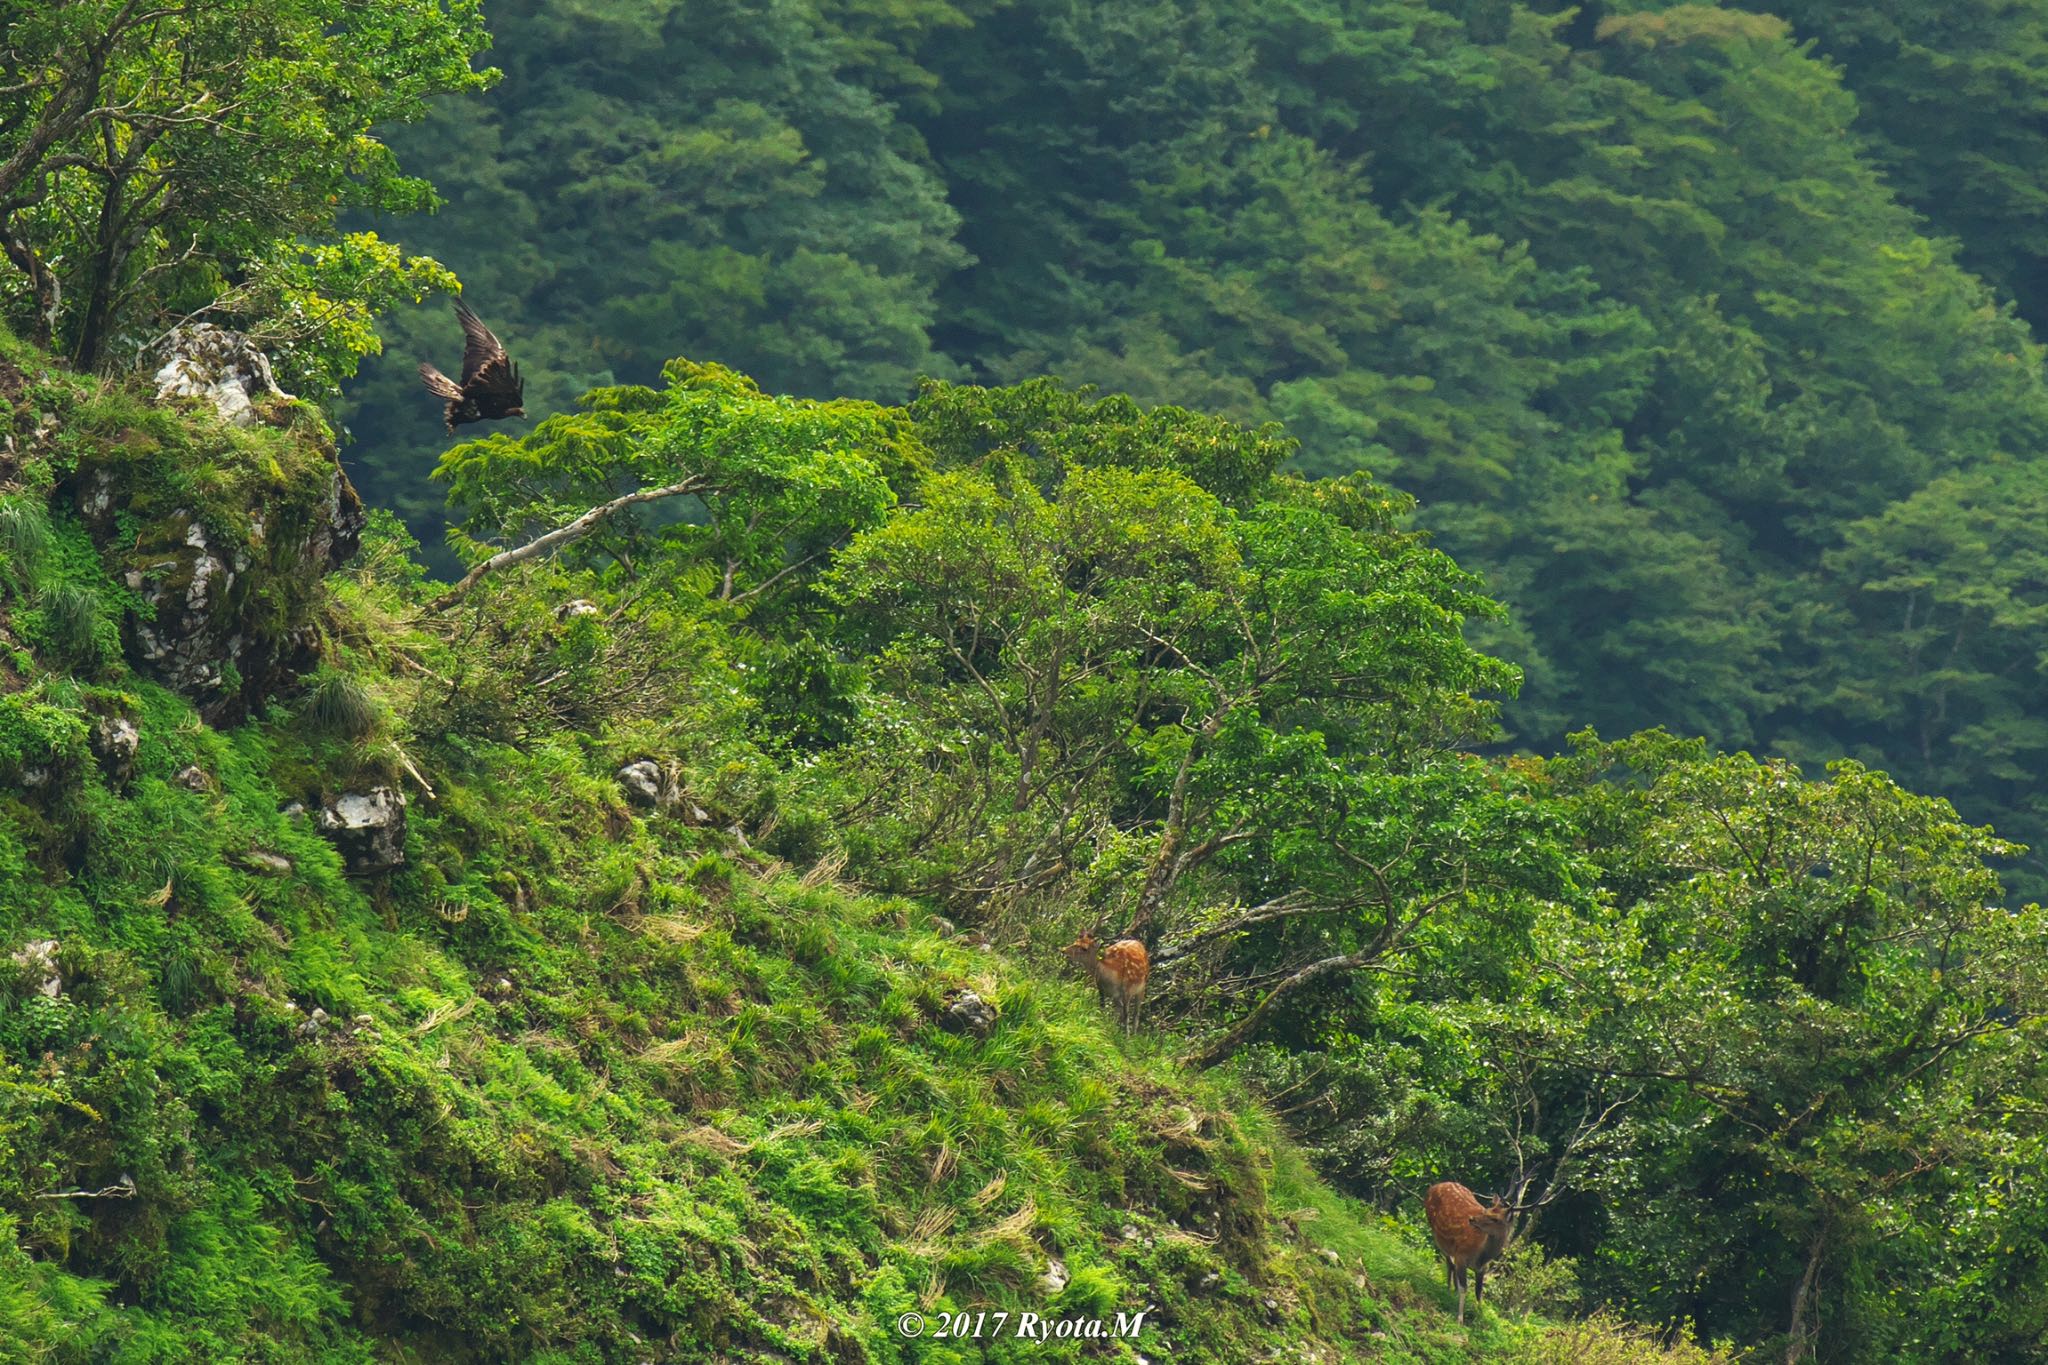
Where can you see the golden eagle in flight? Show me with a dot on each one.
(491, 387)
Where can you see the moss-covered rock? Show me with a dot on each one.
(225, 570)
(367, 828)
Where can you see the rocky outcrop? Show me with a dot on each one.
(228, 570)
(653, 786)
(209, 635)
(222, 367)
(646, 785)
(38, 962)
(366, 828)
(1054, 1279)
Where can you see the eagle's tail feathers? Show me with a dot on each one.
(439, 383)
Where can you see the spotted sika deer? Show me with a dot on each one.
(1468, 1233)
(1119, 969)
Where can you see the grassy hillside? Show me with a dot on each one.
(569, 1079)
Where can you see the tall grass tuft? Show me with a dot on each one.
(24, 536)
(339, 705)
(71, 618)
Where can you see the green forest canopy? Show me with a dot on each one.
(1768, 1038)
(1639, 301)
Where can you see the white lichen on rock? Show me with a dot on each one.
(39, 959)
(224, 367)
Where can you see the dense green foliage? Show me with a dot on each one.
(571, 963)
(166, 161)
(1825, 1010)
(1766, 1047)
(1633, 298)
(1952, 100)
(738, 189)
(580, 1081)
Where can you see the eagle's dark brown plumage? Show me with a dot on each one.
(491, 387)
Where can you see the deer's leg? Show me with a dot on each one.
(1478, 1286)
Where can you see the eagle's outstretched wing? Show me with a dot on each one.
(488, 374)
(497, 385)
(480, 344)
(439, 384)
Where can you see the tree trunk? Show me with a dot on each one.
(42, 281)
(92, 330)
(1040, 726)
(110, 253)
(1800, 1334)
(1241, 1032)
(563, 535)
(1166, 863)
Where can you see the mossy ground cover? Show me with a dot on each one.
(579, 1082)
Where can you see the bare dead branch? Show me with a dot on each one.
(564, 535)
(123, 1189)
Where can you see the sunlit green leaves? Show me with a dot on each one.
(157, 159)
(783, 479)
(1829, 1014)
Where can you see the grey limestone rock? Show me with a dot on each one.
(115, 742)
(218, 365)
(968, 1013)
(367, 828)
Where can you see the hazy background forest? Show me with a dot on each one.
(1701, 332)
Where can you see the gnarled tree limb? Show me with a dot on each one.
(563, 535)
(1240, 1033)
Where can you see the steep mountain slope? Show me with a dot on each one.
(329, 1034)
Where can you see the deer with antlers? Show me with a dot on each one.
(1120, 970)
(1469, 1234)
